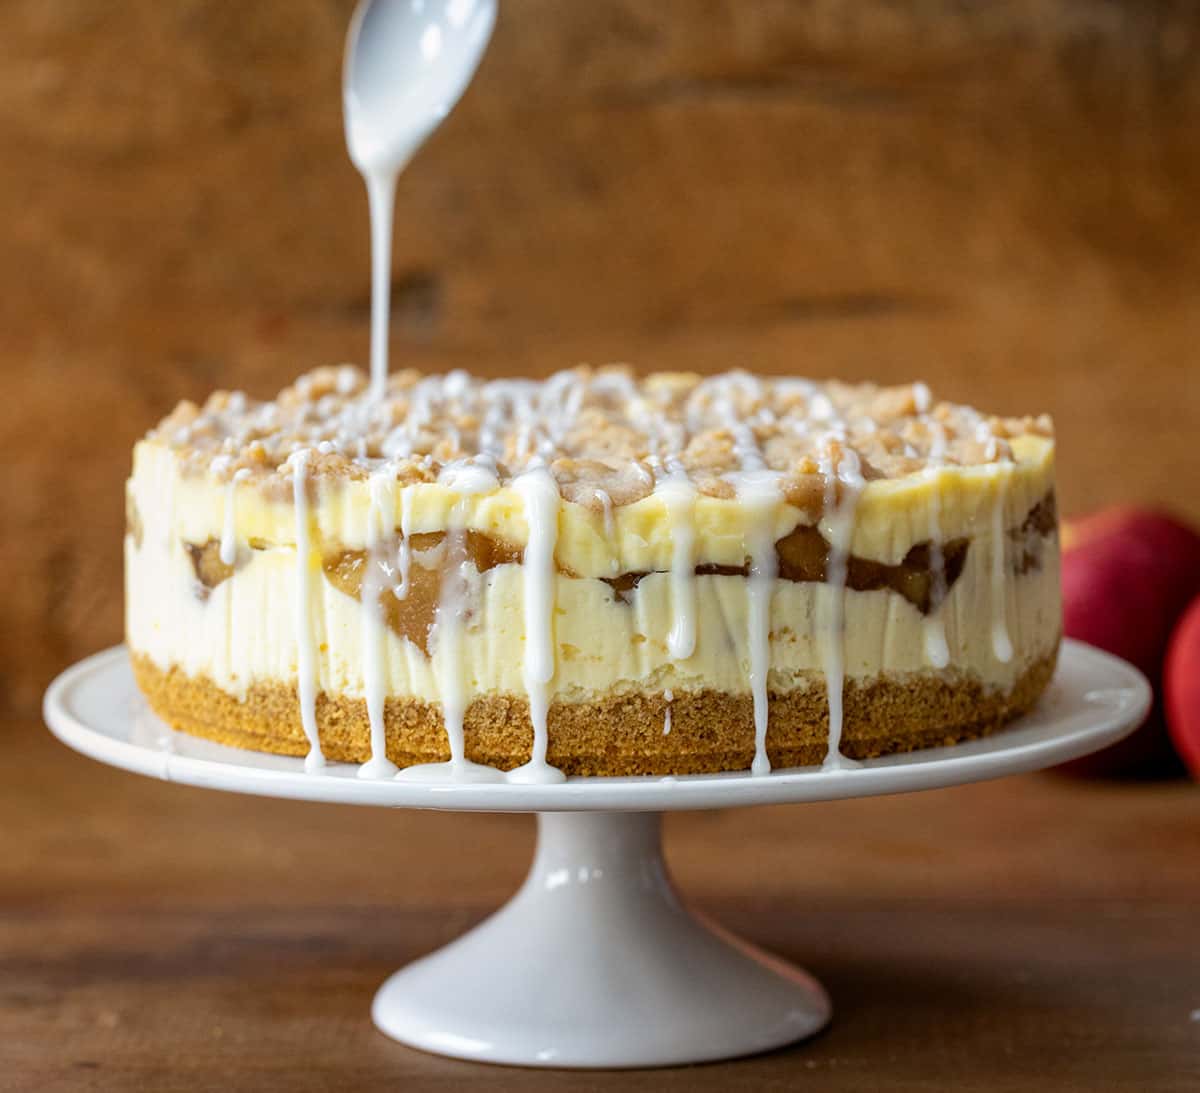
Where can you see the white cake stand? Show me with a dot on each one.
(596, 962)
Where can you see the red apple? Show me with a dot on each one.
(1127, 576)
(1181, 687)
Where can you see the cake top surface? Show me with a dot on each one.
(605, 434)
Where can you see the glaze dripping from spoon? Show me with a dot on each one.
(407, 63)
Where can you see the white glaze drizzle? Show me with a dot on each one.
(470, 476)
(1002, 647)
(668, 697)
(452, 686)
(757, 489)
(381, 199)
(306, 657)
(759, 493)
(606, 511)
(381, 519)
(449, 632)
(839, 521)
(539, 493)
(228, 550)
(451, 609)
(404, 558)
(679, 496)
(937, 652)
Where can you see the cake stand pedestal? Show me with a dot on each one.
(596, 962)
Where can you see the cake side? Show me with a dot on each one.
(733, 586)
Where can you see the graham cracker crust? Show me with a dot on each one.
(623, 735)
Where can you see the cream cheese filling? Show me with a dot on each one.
(243, 631)
(890, 515)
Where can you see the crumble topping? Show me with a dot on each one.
(607, 436)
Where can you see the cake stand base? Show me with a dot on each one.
(596, 962)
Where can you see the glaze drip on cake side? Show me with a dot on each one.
(306, 639)
(688, 486)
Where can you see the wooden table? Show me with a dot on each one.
(1032, 932)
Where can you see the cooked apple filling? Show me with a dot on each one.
(802, 556)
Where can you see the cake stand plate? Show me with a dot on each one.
(596, 962)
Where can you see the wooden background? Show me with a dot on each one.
(1002, 199)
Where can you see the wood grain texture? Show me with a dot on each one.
(1001, 199)
(998, 198)
(1027, 933)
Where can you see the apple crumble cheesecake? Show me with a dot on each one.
(591, 574)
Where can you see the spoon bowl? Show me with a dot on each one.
(407, 63)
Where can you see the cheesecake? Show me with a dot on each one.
(592, 574)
